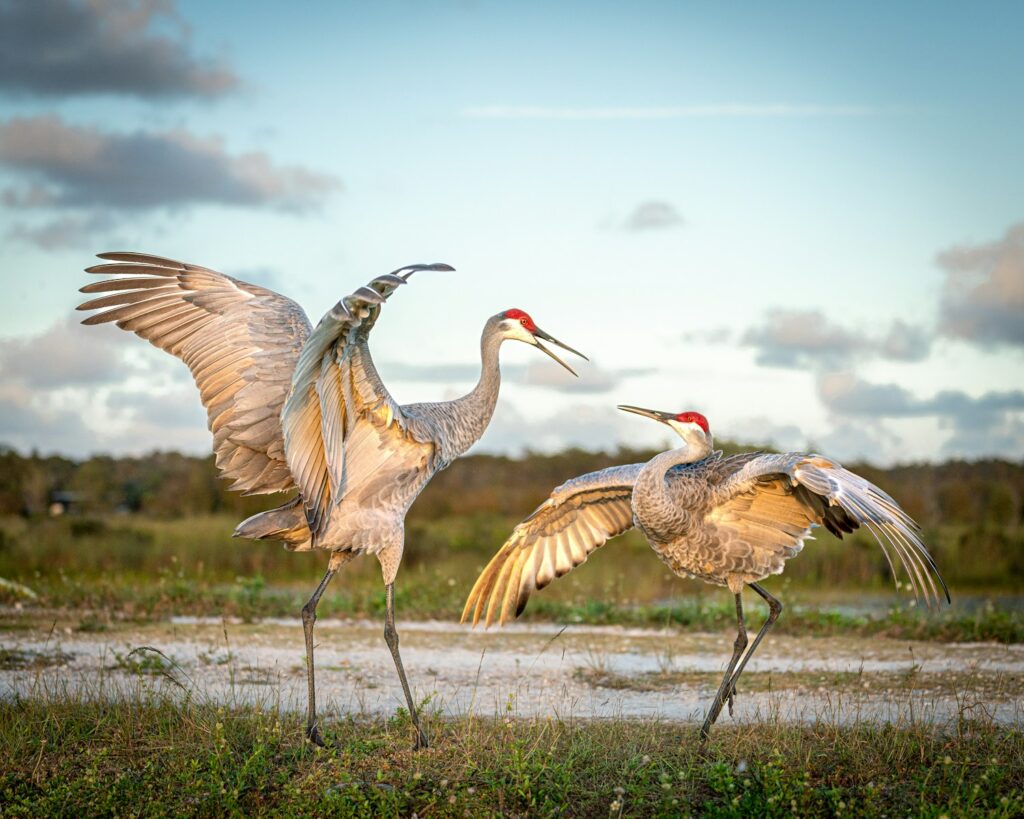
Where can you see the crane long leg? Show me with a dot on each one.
(727, 681)
(774, 610)
(308, 619)
(391, 638)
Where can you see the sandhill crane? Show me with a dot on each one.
(293, 407)
(728, 521)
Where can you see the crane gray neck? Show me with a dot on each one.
(690, 452)
(656, 511)
(653, 505)
(471, 414)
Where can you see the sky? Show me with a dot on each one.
(804, 220)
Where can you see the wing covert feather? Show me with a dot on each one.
(334, 389)
(771, 502)
(580, 516)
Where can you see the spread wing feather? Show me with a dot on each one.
(580, 516)
(334, 389)
(770, 503)
(239, 340)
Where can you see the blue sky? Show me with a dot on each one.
(804, 220)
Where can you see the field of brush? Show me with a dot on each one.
(155, 665)
(138, 568)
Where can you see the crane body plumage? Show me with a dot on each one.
(296, 407)
(730, 521)
(681, 503)
(388, 463)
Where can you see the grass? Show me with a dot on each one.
(97, 603)
(995, 684)
(980, 556)
(143, 569)
(157, 747)
(163, 755)
(13, 659)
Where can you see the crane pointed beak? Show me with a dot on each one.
(539, 334)
(657, 415)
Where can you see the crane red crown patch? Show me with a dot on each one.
(522, 317)
(694, 418)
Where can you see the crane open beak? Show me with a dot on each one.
(657, 415)
(539, 334)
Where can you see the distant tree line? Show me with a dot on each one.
(169, 484)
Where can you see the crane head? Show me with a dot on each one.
(685, 424)
(518, 325)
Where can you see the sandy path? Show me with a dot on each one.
(538, 670)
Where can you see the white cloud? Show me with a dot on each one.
(85, 167)
(670, 111)
(73, 47)
(541, 372)
(65, 355)
(807, 338)
(578, 425)
(653, 215)
(29, 420)
(983, 295)
(592, 378)
(988, 424)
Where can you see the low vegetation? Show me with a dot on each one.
(98, 605)
(970, 682)
(65, 755)
(146, 539)
(138, 568)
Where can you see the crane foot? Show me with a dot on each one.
(313, 735)
(421, 740)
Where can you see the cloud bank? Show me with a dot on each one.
(982, 425)
(541, 373)
(64, 390)
(653, 215)
(807, 338)
(730, 110)
(137, 48)
(81, 166)
(983, 293)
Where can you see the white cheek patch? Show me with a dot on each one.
(688, 431)
(520, 333)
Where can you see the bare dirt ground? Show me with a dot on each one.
(531, 670)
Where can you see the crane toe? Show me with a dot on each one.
(421, 741)
(313, 735)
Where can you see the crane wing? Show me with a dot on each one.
(766, 505)
(337, 398)
(580, 516)
(240, 341)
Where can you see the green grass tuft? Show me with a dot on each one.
(160, 755)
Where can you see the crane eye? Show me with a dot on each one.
(523, 322)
